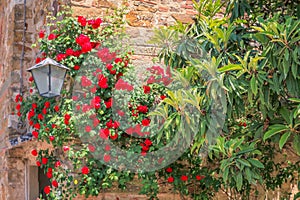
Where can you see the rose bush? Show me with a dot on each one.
(101, 127)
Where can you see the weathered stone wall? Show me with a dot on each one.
(13, 159)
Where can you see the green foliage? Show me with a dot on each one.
(253, 52)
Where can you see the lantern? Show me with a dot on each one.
(49, 77)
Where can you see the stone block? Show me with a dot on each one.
(139, 19)
(19, 13)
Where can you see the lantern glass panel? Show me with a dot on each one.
(57, 79)
(41, 79)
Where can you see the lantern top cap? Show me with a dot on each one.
(47, 61)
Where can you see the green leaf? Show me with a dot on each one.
(274, 129)
(253, 85)
(239, 181)
(296, 143)
(244, 162)
(256, 163)
(283, 139)
(230, 67)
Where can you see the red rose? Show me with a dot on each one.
(146, 122)
(104, 133)
(37, 126)
(44, 161)
(184, 178)
(38, 163)
(116, 124)
(145, 148)
(18, 98)
(86, 47)
(66, 148)
(47, 104)
(169, 170)
(18, 107)
(34, 152)
(105, 55)
(148, 142)
(147, 89)
(54, 183)
(170, 179)
(106, 158)
(199, 177)
(120, 113)
(109, 124)
(69, 52)
(91, 148)
(57, 164)
(117, 60)
(113, 136)
(40, 117)
(102, 81)
(47, 189)
(49, 174)
(88, 129)
(85, 82)
(30, 79)
(107, 148)
(108, 103)
(142, 109)
(51, 36)
(51, 138)
(96, 102)
(81, 20)
(34, 106)
(76, 67)
(77, 53)
(85, 170)
(60, 57)
(44, 111)
(67, 117)
(35, 134)
(97, 23)
(56, 108)
(42, 34)
(82, 39)
(37, 60)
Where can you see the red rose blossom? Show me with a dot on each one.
(38, 163)
(142, 109)
(85, 170)
(34, 152)
(169, 170)
(42, 34)
(199, 177)
(147, 89)
(106, 158)
(54, 183)
(148, 142)
(170, 179)
(107, 148)
(104, 133)
(44, 161)
(184, 178)
(51, 36)
(35, 134)
(57, 164)
(146, 122)
(81, 20)
(47, 189)
(76, 67)
(51, 138)
(88, 129)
